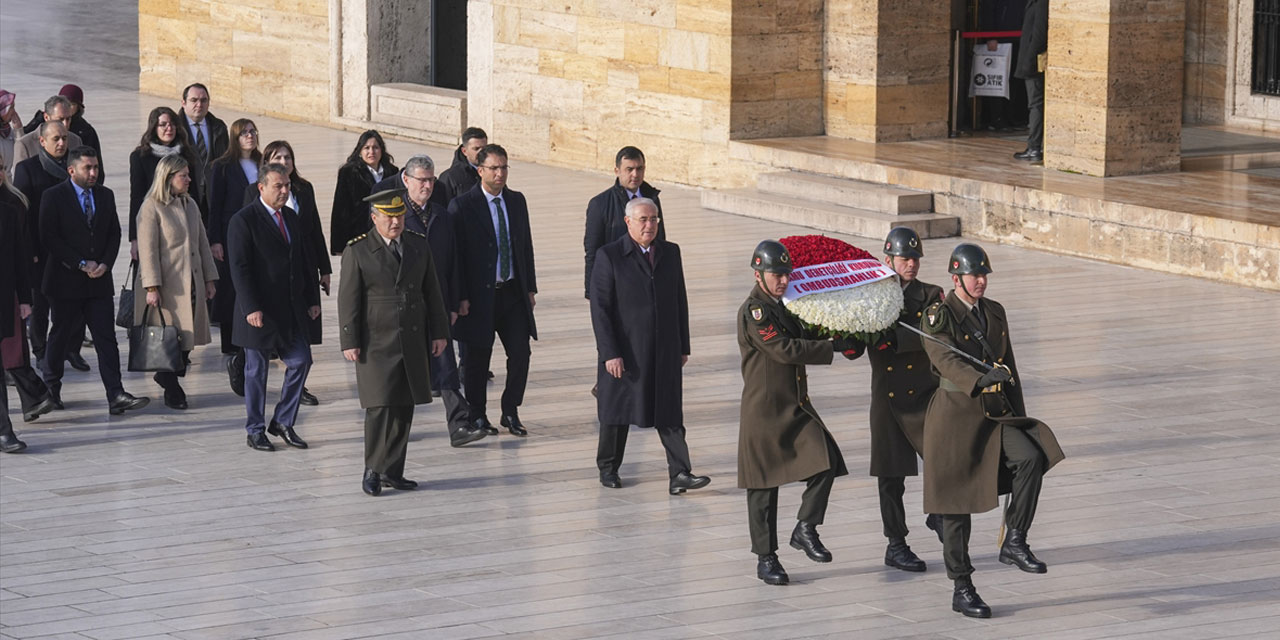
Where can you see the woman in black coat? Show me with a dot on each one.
(229, 176)
(164, 135)
(367, 165)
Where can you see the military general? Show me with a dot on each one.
(393, 321)
(978, 440)
(781, 438)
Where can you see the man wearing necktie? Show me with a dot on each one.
(202, 125)
(496, 289)
(275, 300)
(394, 325)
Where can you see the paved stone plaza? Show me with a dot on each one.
(1161, 523)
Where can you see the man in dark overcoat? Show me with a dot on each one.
(978, 440)
(497, 288)
(781, 438)
(1034, 41)
(462, 174)
(640, 314)
(276, 299)
(428, 218)
(15, 297)
(393, 321)
(606, 211)
(901, 384)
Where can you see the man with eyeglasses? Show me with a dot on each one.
(208, 134)
(496, 288)
(425, 216)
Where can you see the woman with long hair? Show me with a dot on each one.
(367, 165)
(164, 135)
(229, 176)
(175, 265)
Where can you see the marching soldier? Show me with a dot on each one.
(393, 319)
(979, 440)
(902, 382)
(781, 439)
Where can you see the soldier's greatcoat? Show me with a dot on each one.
(902, 382)
(781, 439)
(391, 311)
(962, 469)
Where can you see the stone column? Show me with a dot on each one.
(887, 69)
(1113, 88)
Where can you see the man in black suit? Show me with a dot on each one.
(81, 234)
(208, 134)
(461, 175)
(606, 211)
(640, 314)
(275, 300)
(424, 216)
(497, 287)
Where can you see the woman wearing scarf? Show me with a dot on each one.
(164, 136)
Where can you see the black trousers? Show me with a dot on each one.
(613, 443)
(1035, 115)
(70, 315)
(31, 389)
(893, 515)
(386, 439)
(511, 324)
(38, 331)
(1020, 455)
(6, 425)
(762, 507)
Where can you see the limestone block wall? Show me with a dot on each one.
(776, 68)
(267, 56)
(1205, 64)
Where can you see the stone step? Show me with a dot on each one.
(847, 193)
(418, 111)
(825, 216)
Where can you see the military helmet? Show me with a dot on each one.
(969, 259)
(771, 256)
(904, 243)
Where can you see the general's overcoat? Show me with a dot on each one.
(962, 468)
(781, 439)
(391, 310)
(173, 254)
(640, 314)
(902, 382)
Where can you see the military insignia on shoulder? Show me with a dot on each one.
(757, 313)
(356, 239)
(767, 334)
(936, 318)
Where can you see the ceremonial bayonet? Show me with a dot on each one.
(985, 367)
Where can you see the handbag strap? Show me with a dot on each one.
(129, 277)
(147, 310)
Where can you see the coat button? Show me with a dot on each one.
(966, 337)
(888, 368)
(911, 392)
(890, 394)
(1000, 360)
(919, 313)
(908, 367)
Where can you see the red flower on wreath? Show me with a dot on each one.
(814, 249)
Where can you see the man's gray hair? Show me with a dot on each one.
(636, 203)
(420, 161)
(270, 168)
(56, 101)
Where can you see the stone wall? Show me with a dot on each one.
(776, 69)
(1205, 65)
(265, 56)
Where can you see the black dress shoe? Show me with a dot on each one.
(372, 483)
(126, 402)
(260, 442)
(966, 600)
(805, 538)
(308, 399)
(176, 400)
(1029, 154)
(934, 523)
(1015, 551)
(287, 434)
(487, 427)
(770, 570)
(512, 423)
(77, 362)
(56, 398)
(685, 481)
(610, 479)
(9, 443)
(399, 484)
(235, 373)
(467, 435)
(901, 556)
(35, 412)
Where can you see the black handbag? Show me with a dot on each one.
(153, 348)
(124, 315)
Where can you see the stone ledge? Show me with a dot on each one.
(427, 113)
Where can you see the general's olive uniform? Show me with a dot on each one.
(973, 452)
(391, 309)
(902, 382)
(781, 439)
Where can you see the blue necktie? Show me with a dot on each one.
(88, 207)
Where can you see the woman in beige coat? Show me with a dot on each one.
(175, 266)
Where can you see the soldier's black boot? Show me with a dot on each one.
(1015, 551)
(966, 600)
(770, 570)
(805, 538)
(901, 556)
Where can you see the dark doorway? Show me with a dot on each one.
(449, 44)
